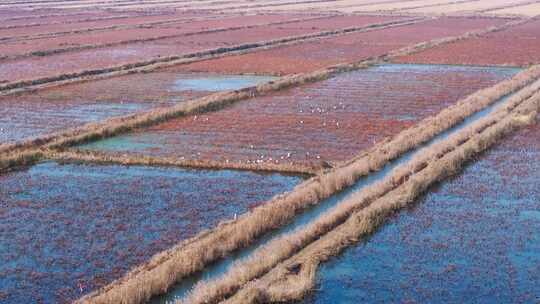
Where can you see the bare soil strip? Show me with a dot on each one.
(58, 4)
(529, 10)
(269, 6)
(436, 5)
(507, 6)
(295, 276)
(171, 266)
(489, 9)
(471, 10)
(208, 6)
(332, 5)
(174, 4)
(398, 10)
(241, 6)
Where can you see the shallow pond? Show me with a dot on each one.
(215, 83)
(67, 229)
(472, 239)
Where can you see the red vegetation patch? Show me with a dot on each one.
(13, 13)
(55, 18)
(84, 25)
(517, 46)
(329, 120)
(96, 38)
(31, 68)
(317, 54)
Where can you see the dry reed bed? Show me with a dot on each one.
(162, 271)
(406, 13)
(176, 5)
(325, 6)
(293, 278)
(395, 6)
(456, 7)
(49, 52)
(153, 64)
(123, 159)
(241, 6)
(304, 264)
(433, 5)
(487, 12)
(524, 3)
(98, 4)
(529, 10)
(276, 251)
(169, 4)
(11, 160)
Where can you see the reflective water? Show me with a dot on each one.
(215, 83)
(472, 239)
(65, 225)
(221, 267)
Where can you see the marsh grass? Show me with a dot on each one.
(359, 216)
(136, 159)
(166, 268)
(171, 266)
